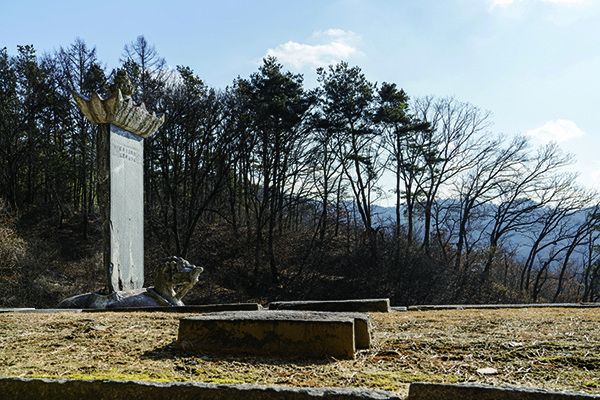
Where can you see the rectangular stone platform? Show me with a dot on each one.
(358, 305)
(276, 333)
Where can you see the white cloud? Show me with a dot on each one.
(339, 45)
(502, 3)
(506, 3)
(557, 131)
(564, 1)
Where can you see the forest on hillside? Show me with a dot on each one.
(272, 187)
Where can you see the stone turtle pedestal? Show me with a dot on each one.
(173, 278)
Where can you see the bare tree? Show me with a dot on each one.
(149, 75)
(591, 259)
(578, 237)
(551, 232)
(518, 202)
(448, 149)
(476, 188)
(192, 161)
(147, 70)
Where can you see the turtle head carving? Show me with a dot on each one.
(175, 272)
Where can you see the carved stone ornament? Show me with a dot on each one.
(173, 273)
(136, 119)
(119, 111)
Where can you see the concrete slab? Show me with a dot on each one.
(275, 333)
(357, 305)
(438, 391)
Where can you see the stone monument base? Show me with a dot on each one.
(145, 297)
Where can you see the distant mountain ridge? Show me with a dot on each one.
(518, 242)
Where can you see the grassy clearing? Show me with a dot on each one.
(552, 348)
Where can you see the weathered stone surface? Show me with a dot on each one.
(126, 210)
(270, 333)
(63, 389)
(362, 321)
(136, 119)
(359, 305)
(436, 391)
(96, 109)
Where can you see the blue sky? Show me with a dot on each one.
(535, 64)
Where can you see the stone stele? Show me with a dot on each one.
(122, 126)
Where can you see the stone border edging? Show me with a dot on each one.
(188, 309)
(497, 306)
(176, 309)
(440, 391)
(70, 389)
(357, 305)
(325, 305)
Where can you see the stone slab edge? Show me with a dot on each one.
(179, 309)
(358, 305)
(438, 391)
(68, 389)
(256, 306)
(499, 306)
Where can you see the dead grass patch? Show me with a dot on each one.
(551, 348)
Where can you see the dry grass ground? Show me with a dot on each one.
(552, 348)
